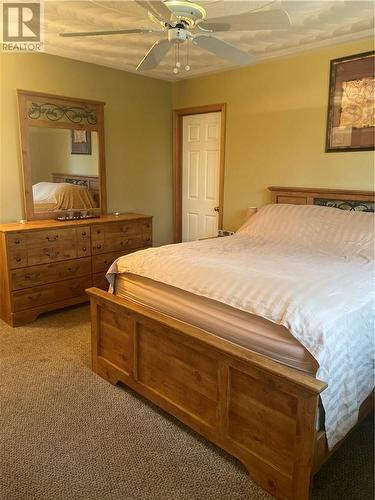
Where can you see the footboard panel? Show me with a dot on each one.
(177, 371)
(259, 411)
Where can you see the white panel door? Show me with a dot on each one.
(200, 175)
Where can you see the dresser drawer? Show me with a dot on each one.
(147, 239)
(47, 294)
(51, 253)
(22, 257)
(146, 226)
(16, 240)
(101, 262)
(100, 281)
(17, 257)
(116, 244)
(83, 249)
(49, 273)
(98, 232)
(83, 234)
(119, 229)
(53, 236)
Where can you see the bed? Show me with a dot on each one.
(91, 182)
(51, 196)
(227, 368)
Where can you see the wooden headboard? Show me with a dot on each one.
(89, 181)
(345, 199)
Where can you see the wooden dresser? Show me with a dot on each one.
(47, 265)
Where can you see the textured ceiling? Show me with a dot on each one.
(314, 24)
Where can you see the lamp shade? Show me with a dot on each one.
(250, 211)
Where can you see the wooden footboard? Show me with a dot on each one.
(261, 412)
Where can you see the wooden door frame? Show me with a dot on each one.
(177, 120)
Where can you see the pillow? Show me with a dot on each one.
(327, 229)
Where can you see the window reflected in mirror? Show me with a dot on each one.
(64, 169)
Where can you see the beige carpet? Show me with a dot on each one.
(66, 434)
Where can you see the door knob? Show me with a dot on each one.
(217, 209)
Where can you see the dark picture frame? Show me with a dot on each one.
(81, 145)
(351, 105)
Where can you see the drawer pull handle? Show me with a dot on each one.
(53, 255)
(18, 259)
(84, 233)
(98, 231)
(73, 270)
(98, 246)
(124, 243)
(52, 238)
(74, 287)
(34, 297)
(17, 242)
(148, 239)
(84, 249)
(34, 276)
(125, 229)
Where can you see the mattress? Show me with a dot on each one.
(242, 328)
(306, 268)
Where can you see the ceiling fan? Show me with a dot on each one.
(183, 21)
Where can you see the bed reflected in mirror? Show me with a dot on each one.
(64, 170)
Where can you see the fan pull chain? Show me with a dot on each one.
(177, 63)
(175, 70)
(187, 67)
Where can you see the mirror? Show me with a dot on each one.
(63, 160)
(64, 169)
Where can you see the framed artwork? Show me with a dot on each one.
(81, 142)
(351, 106)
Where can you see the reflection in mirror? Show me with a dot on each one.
(64, 169)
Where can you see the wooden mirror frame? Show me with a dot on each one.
(38, 109)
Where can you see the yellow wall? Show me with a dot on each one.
(138, 132)
(276, 125)
(50, 153)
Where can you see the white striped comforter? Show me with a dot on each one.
(308, 268)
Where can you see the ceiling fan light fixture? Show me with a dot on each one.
(177, 35)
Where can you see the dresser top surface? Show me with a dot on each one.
(12, 227)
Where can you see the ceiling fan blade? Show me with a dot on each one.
(154, 55)
(262, 20)
(223, 49)
(110, 32)
(157, 8)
